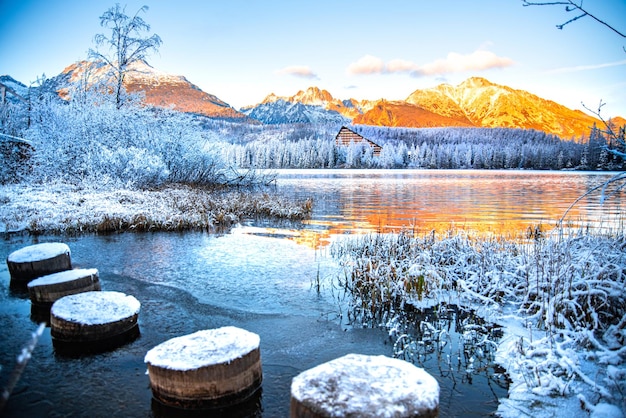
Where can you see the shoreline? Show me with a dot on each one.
(67, 209)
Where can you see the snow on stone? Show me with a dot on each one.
(359, 385)
(96, 307)
(604, 410)
(203, 348)
(38, 252)
(63, 276)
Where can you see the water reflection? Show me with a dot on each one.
(259, 278)
(500, 203)
(455, 345)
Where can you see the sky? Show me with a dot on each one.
(241, 51)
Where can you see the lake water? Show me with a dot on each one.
(497, 202)
(262, 277)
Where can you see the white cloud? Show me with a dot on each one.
(302, 71)
(367, 64)
(454, 63)
(401, 66)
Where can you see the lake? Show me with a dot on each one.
(495, 202)
(262, 276)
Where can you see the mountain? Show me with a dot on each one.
(476, 102)
(385, 113)
(314, 96)
(281, 111)
(161, 89)
(486, 104)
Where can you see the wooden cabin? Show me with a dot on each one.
(345, 136)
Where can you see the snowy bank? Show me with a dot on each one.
(62, 208)
(561, 303)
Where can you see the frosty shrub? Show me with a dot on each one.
(138, 166)
(567, 291)
(90, 141)
(559, 284)
(14, 161)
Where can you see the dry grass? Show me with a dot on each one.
(60, 208)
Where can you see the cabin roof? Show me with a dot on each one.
(345, 136)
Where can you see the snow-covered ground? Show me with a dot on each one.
(61, 208)
(561, 302)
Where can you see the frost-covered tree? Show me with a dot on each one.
(126, 44)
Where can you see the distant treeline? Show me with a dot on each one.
(431, 148)
(88, 140)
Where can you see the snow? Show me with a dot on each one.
(62, 208)
(364, 386)
(203, 348)
(604, 410)
(38, 252)
(96, 307)
(564, 350)
(63, 276)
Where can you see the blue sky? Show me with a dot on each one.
(243, 50)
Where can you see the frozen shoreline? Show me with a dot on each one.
(560, 302)
(61, 208)
(551, 373)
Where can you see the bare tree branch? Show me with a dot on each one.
(570, 6)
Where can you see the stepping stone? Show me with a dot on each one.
(212, 368)
(46, 290)
(38, 260)
(94, 321)
(364, 386)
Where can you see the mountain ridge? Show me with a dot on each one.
(475, 102)
(161, 89)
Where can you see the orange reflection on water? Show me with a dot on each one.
(492, 203)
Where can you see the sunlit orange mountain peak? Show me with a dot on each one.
(403, 114)
(315, 96)
(160, 88)
(487, 104)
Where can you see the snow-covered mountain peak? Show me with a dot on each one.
(476, 82)
(314, 96)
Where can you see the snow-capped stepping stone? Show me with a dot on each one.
(96, 319)
(207, 369)
(38, 260)
(45, 290)
(364, 386)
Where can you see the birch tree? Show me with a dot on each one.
(127, 43)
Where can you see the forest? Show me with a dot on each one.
(91, 140)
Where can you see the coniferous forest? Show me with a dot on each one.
(90, 140)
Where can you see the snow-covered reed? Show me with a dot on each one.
(63, 208)
(566, 294)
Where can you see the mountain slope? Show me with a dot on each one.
(408, 115)
(487, 104)
(280, 111)
(314, 96)
(13, 87)
(161, 89)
